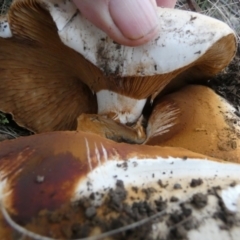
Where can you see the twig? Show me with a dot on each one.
(193, 6)
(13, 135)
(233, 11)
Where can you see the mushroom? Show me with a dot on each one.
(198, 119)
(108, 128)
(190, 46)
(50, 181)
(39, 83)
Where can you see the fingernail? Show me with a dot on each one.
(135, 18)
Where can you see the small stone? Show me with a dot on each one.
(90, 212)
(40, 179)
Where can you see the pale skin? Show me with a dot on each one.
(128, 22)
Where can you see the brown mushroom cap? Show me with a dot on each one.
(62, 158)
(44, 172)
(46, 85)
(197, 119)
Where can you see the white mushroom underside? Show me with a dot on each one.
(183, 38)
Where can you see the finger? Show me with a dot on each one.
(166, 3)
(127, 22)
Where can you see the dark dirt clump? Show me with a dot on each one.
(227, 217)
(181, 220)
(199, 200)
(227, 83)
(177, 186)
(196, 182)
(160, 204)
(117, 196)
(132, 219)
(82, 219)
(178, 233)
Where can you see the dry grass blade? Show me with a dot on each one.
(226, 10)
(4, 5)
(11, 130)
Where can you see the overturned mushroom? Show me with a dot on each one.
(196, 118)
(48, 90)
(54, 184)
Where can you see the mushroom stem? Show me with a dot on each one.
(121, 108)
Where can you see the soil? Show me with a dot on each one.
(81, 219)
(196, 182)
(227, 83)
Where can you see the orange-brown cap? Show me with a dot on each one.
(196, 118)
(41, 173)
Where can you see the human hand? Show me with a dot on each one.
(128, 22)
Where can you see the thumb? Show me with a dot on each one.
(131, 23)
(166, 3)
